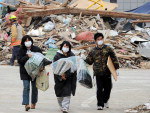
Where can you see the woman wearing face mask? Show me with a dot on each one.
(25, 53)
(65, 85)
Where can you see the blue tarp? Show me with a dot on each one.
(145, 9)
(0, 4)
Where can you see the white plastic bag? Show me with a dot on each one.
(49, 26)
(37, 32)
(64, 64)
(74, 63)
(34, 64)
(42, 80)
(83, 75)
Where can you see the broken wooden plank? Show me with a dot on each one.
(128, 57)
(28, 21)
(2, 3)
(54, 2)
(38, 2)
(32, 6)
(89, 12)
(25, 2)
(84, 47)
(140, 21)
(66, 3)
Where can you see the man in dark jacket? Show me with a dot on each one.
(98, 57)
(24, 54)
(65, 85)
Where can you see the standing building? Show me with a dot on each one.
(126, 5)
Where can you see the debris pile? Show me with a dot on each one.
(50, 30)
(145, 108)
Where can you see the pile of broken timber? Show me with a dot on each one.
(35, 10)
(126, 52)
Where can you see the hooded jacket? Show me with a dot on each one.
(66, 87)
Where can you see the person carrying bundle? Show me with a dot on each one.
(99, 57)
(65, 85)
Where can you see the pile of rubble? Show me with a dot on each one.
(50, 31)
(145, 108)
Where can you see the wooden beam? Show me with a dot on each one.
(25, 2)
(2, 3)
(127, 56)
(89, 12)
(36, 7)
(54, 2)
(84, 47)
(66, 3)
(37, 2)
(140, 21)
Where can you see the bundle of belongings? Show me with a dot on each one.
(73, 64)
(35, 67)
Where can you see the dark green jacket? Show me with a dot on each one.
(98, 57)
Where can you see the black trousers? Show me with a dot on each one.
(15, 52)
(104, 86)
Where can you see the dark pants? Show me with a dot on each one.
(104, 85)
(15, 52)
(26, 92)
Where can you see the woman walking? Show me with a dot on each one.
(65, 85)
(26, 49)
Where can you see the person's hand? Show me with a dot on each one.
(63, 76)
(29, 55)
(117, 72)
(83, 56)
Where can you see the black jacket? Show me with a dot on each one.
(66, 87)
(22, 59)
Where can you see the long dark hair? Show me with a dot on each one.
(67, 43)
(24, 39)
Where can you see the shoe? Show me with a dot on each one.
(99, 108)
(17, 64)
(33, 106)
(11, 64)
(61, 109)
(27, 107)
(106, 105)
(65, 111)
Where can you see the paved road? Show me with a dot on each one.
(132, 89)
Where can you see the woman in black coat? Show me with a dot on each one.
(26, 49)
(65, 85)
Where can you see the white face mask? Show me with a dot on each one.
(28, 44)
(100, 42)
(65, 49)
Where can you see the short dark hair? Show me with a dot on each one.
(24, 39)
(98, 35)
(67, 43)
